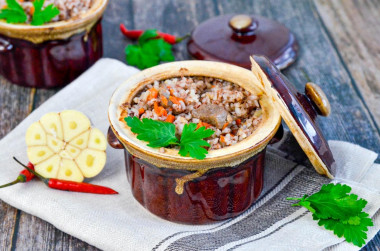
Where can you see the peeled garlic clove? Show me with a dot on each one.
(73, 123)
(73, 151)
(36, 154)
(97, 140)
(51, 122)
(64, 154)
(81, 141)
(49, 168)
(35, 135)
(54, 144)
(91, 162)
(68, 170)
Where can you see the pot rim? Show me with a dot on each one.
(55, 30)
(225, 157)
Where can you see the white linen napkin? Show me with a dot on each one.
(119, 222)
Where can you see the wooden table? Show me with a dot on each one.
(340, 50)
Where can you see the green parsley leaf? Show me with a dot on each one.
(43, 16)
(137, 57)
(192, 141)
(157, 133)
(339, 211)
(13, 13)
(162, 134)
(147, 35)
(160, 49)
(149, 52)
(333, 201)
(353, 230)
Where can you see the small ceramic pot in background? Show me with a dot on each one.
(54, 54)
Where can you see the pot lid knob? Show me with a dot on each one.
(243, 25)
(318, 99)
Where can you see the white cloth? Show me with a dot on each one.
(119, 222)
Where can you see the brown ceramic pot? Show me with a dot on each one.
(228, 180)
(54, 54)
(187, 190)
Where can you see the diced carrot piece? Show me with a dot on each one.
(222, 139)
(171, 91)
(200, 124)
(159, 110)
(156, 110)
(32, 10)
(225, 125)
(206, 125)
(238, 122)
(141, 111)
(170, 118)
(164, 100)
(153, 93)
(176, 100)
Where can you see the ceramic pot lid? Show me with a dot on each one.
(232, 38)
(299, 112)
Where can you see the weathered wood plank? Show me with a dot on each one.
(355, 28)
(7, 226)
(14, 107)
(175, 17)
(113, 41)
(36, 234)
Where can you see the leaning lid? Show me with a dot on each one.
(299, 112)
(232, 38)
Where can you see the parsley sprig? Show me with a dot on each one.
(157, 133)
(162, 134)
(337, 210)
(192, 141)
(14, 13)
(149, 51)
(41, 16)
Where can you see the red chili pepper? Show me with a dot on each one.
(23, 177)
(70, 185)
(79, 187)
(135, 34)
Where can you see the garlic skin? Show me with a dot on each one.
(65, 146)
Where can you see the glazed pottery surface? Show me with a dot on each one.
(51, 63)
(54, 54)
(219, 194)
